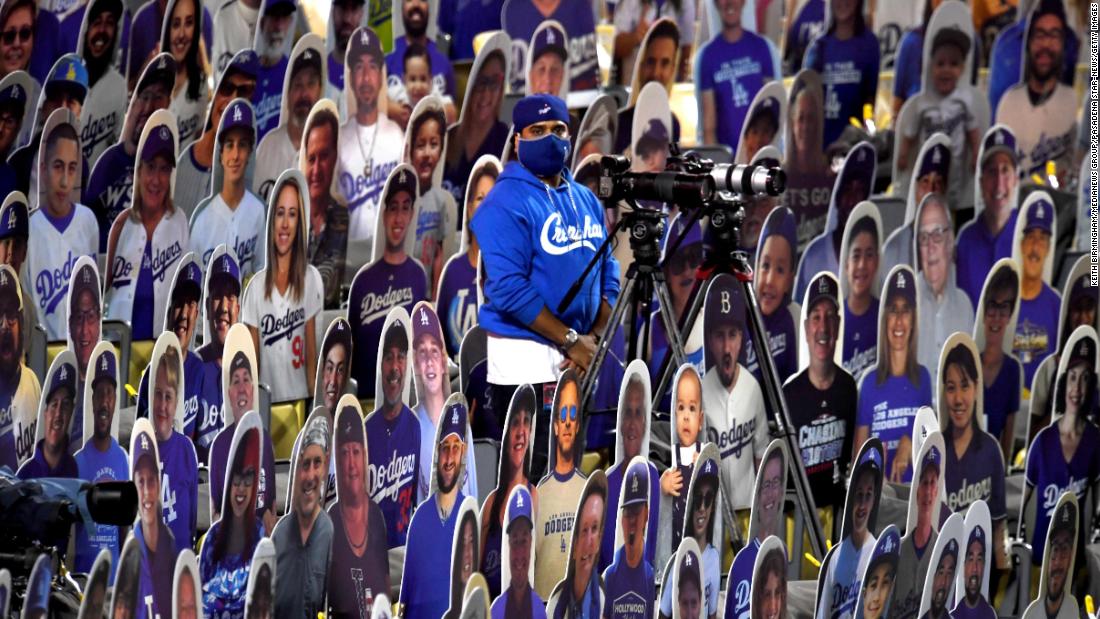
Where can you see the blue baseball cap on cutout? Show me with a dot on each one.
(936, 159)
(14, 220)
(520, 507)
(453, 421)
(105, 368)
(636, 483)
(68, 72)
(551, 38)
(999, 139)
(63, 378)
(160, 142)
(1040, 215)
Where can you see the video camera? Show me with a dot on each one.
(689, 181)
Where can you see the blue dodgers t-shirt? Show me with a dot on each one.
(456, 303)
(806, 26)
(1051, 476)
(179, 475)
(521, 17)
(335, 71)
(464, 20)
(739, 583)
(95, 466)
(850, 72)
(976, 251)
(375, 291)
(1036, 330)
(978, 475)
(425, 578)
(614, 488)
(109, 189)
(629, 592)
(782, 343)
(890, 408)
(1002, 398)
(269, 97)
(907, 64)
(735, 72)
(860, 348)
(393, 448)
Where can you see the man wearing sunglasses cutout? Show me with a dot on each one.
(561, 488)
(195, 161)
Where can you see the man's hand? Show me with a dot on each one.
(902, 457)
(580, 355)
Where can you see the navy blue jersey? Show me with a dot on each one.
(210, 421)
(179, 483)
(983, 610)
(860, 339)
(629, 592)
(978, 475)
(734, 73)
(803, 29)
(375, 291)
(1036, 330)
(782, 343)
(850, 71)
(977, 250)
(1002, 398)
(269, 97)
(1050, 476)
(95, 466)
(611, 520)
(427, 572)
(889, 409)
(394, 450)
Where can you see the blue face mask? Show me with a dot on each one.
(544, 156)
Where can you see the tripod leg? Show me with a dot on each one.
(668, 364)
(675, 341)
(588, 383)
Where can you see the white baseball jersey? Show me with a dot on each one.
(24, 414)
(234, 30)
(281, 323)
(102, 114)
(241, 228)
(190, 114)
(737, 425)
(1044, 132)
(169, 244)
(51, 255)
(275, 155)
(381, 144)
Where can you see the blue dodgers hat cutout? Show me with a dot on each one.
(951, 548)
(520, 507)
(245, 61)
(238, 115)
(14, 94)
(1040, 215)
(636, 483)
(14, 220)
(902, 284)
(536, 109)
(63, 378)
(226, 266)
(549, 39)
(143, 447)
(976, 535)
(105, 368)
(932, 458)
(8, 285)
(191, 274)
(365, 41)
(871, 457)
(425, 323)
(1000, 139)
(160, 142)
(453, 422)
(936, 159)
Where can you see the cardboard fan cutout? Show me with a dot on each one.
(926, 498)
(260, 603)
(320, 476)
(126, 592)
(932, 157)
(994, 335)
(765, 521)
(688, 434)
(187, 587)
(338, 33)
(804, 307)
(879, 577)
(580, 569)
(333, 365)
(83, 333)
(598, 128)
(860, 285)
(975, 557)
(628, 580)
(769, 582)
(779, 308)
(359, 571)
(36, 599)
(546, 68)
(62, 120)
(765, 122)
(810, 179)
(17, 433)
(840, 570)
(465, 551)
(94, 604)
(396, 318)
(156, 542)
(687, 581)
(52, 454)
(632, 441)
(436, 212)
(938, 589)
(239, 378)
(1055, 595)
(519, 523)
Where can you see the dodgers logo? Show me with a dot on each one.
(558, 239)
(51, 285)
(275, 328)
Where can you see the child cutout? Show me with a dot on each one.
(769, 583)
(878, 581)
(687, 429)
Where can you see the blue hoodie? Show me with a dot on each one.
(535, 240)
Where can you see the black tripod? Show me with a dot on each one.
(726, 216)
(644, 279)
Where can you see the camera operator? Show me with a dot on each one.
(538, 228)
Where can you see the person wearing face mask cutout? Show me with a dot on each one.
(537, 229)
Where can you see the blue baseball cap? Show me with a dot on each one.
(951, 548)
(160, 70)
(402, 179)
(159, 142)
(708, 467)
(902, 283)
(550, 38)
(1084, 351)
(823, 288)
(189, 278)
(68, 72)
(977, 534)
(281, 7)
(932, 458)
(724, 305)
(1065, 519)
(536, 109)
(1040, 215)
(238, 115)
(871, 457)
(453, 421)
(14, 220)
(9, 284)
(859, 165)
(887, 549)
(86, 278)
(144, 451)
(682, 227)
(654, 137)
(936, 159)
(999, 139)
(245, 62)
(425, 324)
(339, 333)
(225, 267)
(349, 426)
(105, 368)
(636, 483)
(364, 41)
(14, 94)
(768, 108)
(63, 378)
(519, 507)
